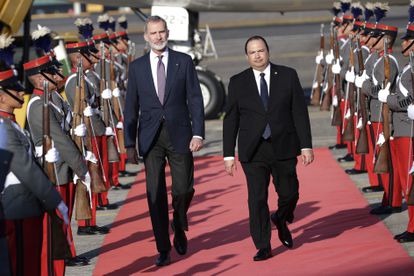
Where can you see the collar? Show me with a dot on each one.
(8, 115)
(382, 52)
(38, 92)
(153, 55)
(266, 71)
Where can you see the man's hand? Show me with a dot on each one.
(230, 166)
(307, 156)
(132, 155)
(196, 144)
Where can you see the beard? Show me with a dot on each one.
(158, 47)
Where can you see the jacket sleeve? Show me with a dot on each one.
(195, 99)
(30, 174)
(230, 121)
(132, 106)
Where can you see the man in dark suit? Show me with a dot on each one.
(266, 108)
(164, 98)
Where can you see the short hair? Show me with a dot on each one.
(153, 19)
(255, 37)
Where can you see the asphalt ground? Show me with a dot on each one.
(293, 41)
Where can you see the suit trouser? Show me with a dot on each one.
(258, 171)
(182, 174)
(24, 238)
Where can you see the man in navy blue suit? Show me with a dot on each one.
(164, 102)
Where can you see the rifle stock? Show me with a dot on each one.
(382, 164)
(327, 96)
(349, 131)
(336, 116)
(316, 91)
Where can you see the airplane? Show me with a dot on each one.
(182, 17)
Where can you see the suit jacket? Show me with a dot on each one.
(183, 109)
(287, 115)
(28, 191)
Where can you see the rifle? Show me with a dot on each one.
(362, 141)
(349, 133)
(382, 163)
(113, 153)
(316, 89)
(83, 208)
(117, 107)
(97, 181)
(327, 97)
(57, 238)
(336, 116)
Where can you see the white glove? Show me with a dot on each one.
(120, 125)
(319, 58)
(109, 131)
(80, 130)
(336, 68)
(325, 87)
(86, 180)
(350, 76)
(52, 155)
(384, 93)
(410, 111)
(63, 210)
(116, 92)
(359, 80)
(107, 94)
(335, 101)
(91, 157)
(88, 111)
(329, 57)
(381, 139)
(315, 85)
(348, 114)
(359, 125)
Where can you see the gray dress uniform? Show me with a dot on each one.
(28, 191)
(71, 159)
(92, 93)
(372, 85)
(398, 103)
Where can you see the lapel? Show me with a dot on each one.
(252, 88)
(274, 84)
(172, 69)
(148, 76)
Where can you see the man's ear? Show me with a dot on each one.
(145, 37)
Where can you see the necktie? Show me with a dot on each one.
(161, 79)
(264, 95)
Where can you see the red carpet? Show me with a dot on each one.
(333, 232)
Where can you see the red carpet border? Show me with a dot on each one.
(333, 231)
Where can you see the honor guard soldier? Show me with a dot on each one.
(70, 167)
(402, 143)
(28, 193)
(79, 57)
(371, 87)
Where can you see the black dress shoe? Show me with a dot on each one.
(122, 186)
(100, 229)
(85, 231)
(263, 254)
(77, 261)
(337, 146)
(163, 259)
(354, 171)
(371, 189)
(406, 237)
(180, 240)
(109, 206)
(396, 237)
(283, 231)
(346, 158)
(127, 173)
(382, 210)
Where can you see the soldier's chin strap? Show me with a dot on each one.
(86, 56)
(408, 47)
(11, 95)
(49, 79)
(94, 56)
(378, 40)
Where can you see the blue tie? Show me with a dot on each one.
(264, 95)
